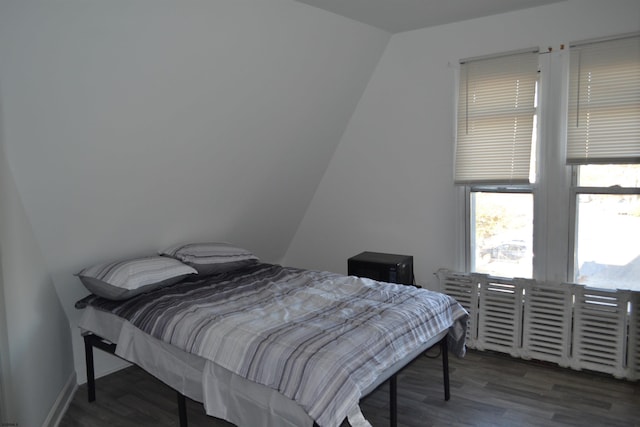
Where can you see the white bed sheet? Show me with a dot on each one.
(223, 394)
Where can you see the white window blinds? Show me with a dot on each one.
(496, 109)
(604, 102)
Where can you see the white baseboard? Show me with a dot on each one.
(62, 402)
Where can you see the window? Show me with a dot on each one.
(577, 216)
(501, 224)
(603, 141)
(495, 158)
(607, 229)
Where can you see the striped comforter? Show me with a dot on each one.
(318, 338)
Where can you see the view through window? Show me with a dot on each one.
(607, 212)
(502, 233)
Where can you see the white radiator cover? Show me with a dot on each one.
(633, 356)
(547, 323)
(500, 318)
(567, 324)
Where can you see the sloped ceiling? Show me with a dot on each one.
(404, 15)
(132, 125)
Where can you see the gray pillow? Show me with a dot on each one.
(211, 257)
(120, 280)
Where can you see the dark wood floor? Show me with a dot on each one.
(486, 390)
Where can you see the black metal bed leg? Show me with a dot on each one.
(445, 367)
(182, 409)
(91, 379)
(393, 401)
(90, 341)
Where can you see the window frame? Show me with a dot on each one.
(469, 255)
(575, 191)
(467, 258)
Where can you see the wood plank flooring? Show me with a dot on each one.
(486, 390)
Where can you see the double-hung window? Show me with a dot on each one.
(585, 229)
(495, 160)
(603, 149)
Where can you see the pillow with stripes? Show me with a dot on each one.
(124, 279)
(212, 257)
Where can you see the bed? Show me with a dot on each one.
(263, 344)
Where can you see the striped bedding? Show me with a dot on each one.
(318, 338)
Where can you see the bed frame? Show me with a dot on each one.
(92, 340)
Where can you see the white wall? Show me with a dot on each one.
(389, 186)
(5, 369)
(35, 341)
(134, 124)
